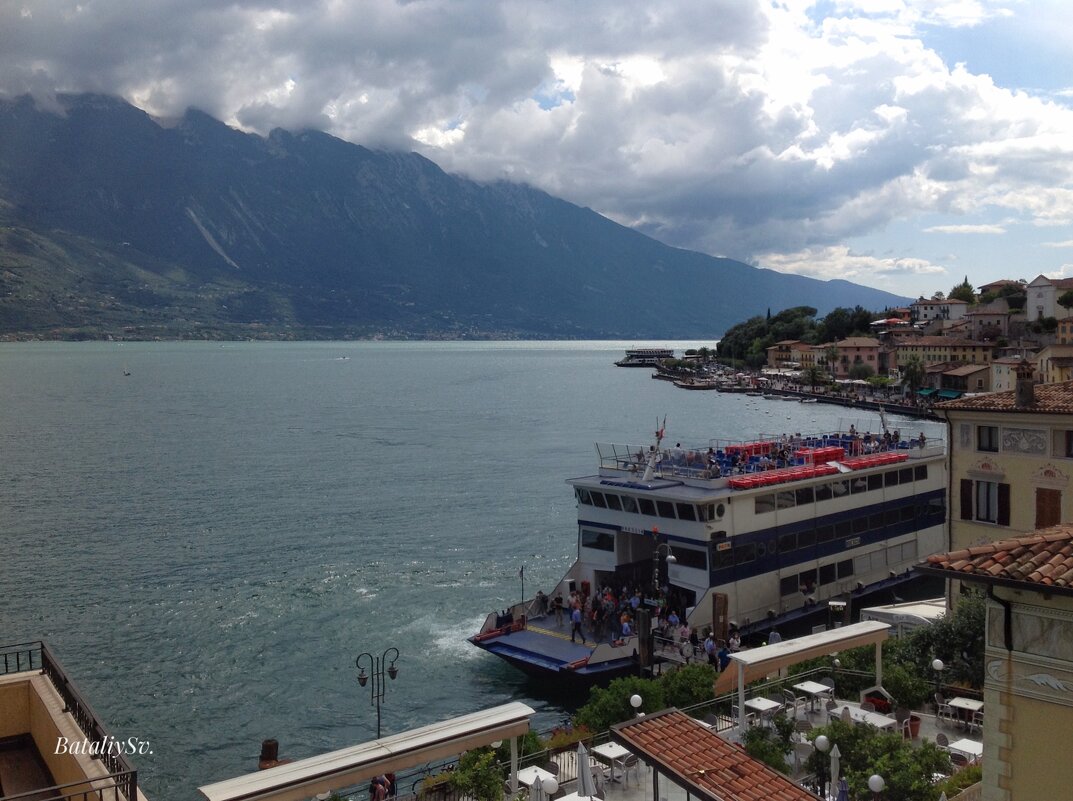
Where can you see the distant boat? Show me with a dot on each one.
(809, 400)
(645, 357)
(126, 371)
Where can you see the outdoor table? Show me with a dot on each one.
(612, 754)
(965, 707)
(970, 748)
(813, 689)
(531, 774)
(764, 707)
(858, 715)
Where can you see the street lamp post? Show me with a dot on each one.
(655, 564)
(877, 784)
(378, 666)
(823, 745)
(937, 665)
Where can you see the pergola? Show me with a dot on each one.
(756, 663)
(306, 778)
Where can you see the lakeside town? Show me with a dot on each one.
(959, 706)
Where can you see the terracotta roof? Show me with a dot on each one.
(948, 301)
(944, 342)
(858, 342)
(703, 763)
(1042, 559)
(1049, 399)
(968, 369)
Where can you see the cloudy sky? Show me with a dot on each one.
(898, 143)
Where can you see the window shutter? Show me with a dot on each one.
(966, 499)
(1003, 504)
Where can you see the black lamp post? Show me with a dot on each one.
(378, 666)
(655, 564)
(823, 745)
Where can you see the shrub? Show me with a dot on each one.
(610, 705)
(478, 776)
(689, 685)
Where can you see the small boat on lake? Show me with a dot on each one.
(645, 357)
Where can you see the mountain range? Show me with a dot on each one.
(113, 223)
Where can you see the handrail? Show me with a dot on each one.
(123, 786)
(77, 707)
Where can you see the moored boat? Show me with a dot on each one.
(645, 357)
(759, 533)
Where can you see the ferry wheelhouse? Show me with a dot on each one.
(762, 532)
(645, 357)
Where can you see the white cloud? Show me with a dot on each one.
(1065, 243)
(965, 229)
(760, 131)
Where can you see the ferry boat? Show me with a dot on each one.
(754, 541)
(645, 357)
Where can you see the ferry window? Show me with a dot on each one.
(987, 438)
(787, 542)
(598, 499)
(845, 568)
(920, 472)
(686, 511)
(785, 499)
(629, 504)
(597, 540)
(665, 509)
(646, 506)
(825, 534)
(823, 492)
(583, 496)
(806, 582)
(875, 522)
(764, 503)
(687, 557)
(827, 574)
(788, 585)
(860, 525)
(875, 481)
(722, 558)
(937, 509)
(804, 495)
(907, 513)
(613, 502)
(839, 488)
(890, 478)
(905, 475)
(806, 539)
(745, 553)
(858, 485)
(843, 529)
(720, 510)
(890, 517)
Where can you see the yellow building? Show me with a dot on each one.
(931, 350)
(1011, 459)
(1055, 364)
(1028, 676)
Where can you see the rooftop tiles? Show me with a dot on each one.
(1043, 558)
(1047, 399)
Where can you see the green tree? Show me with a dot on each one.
(830, 358)
(913, 374)
(813, 375)
(478, 775)
(963, 291)
(1065, 300)
(865, 750)
(861, 371)
(610, 705)
(689, 685)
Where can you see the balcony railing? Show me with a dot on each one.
(122, 778)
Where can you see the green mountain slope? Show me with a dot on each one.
(111, 223)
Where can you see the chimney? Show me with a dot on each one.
(1024, 388)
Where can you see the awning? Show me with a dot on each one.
(950, 394)
(756, 663)
(926, 393)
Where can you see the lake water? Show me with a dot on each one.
(209, 542)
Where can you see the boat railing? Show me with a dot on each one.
(721, 458)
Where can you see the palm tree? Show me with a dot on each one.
(813, 375)
(913, 374)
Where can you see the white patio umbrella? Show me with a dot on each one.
(586, 787)
(835, 766)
